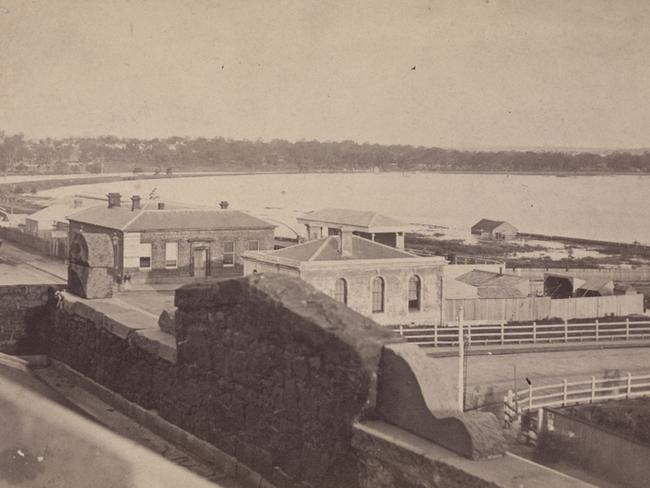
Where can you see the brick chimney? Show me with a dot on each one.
(345, 243)
(114, 200)
(77, 203)
(135, 203)
(224, 204)
(161, 205)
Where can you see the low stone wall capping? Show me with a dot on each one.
(272, 372)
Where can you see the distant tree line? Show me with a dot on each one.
(18, 153)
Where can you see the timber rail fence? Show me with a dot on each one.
(511, 334)
(535, 398)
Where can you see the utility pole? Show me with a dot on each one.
(461, 362)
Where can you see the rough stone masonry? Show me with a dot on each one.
(272, 372)
(23, 308)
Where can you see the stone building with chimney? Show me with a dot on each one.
(158, 243)
(389, 285)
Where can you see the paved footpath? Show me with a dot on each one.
(20, 266)
(497, 371)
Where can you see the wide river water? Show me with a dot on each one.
(613, 208)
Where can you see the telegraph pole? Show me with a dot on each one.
(461, 362)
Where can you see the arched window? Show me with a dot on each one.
(415, 294)
(341, 290)
(378, 289)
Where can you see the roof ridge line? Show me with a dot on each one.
(320, 249)
(124, 227)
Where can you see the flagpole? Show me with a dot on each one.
(461, 361)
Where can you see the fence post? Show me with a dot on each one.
(628, 385)
(435, 335)
(503, 333)
(540, 420)
(565, 392)
(627, 329)
(593, 389)
(534, 332)
(566, 330)
(530, 397)
(597, 332)
(469, 334)
(401, 330)
(507, 415)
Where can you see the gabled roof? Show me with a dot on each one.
(596, 284)
(55, 212)
(494, 285)
(124, 219)
(476, 277)
(353, 218)
(487, 225)
(327, 249)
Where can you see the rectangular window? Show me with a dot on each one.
(171, 254)
(253, 245)
(228, 253)
(145, 255)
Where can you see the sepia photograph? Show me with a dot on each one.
(324, 244)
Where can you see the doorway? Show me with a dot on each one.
(200, 262)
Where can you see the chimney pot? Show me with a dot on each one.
(114, 200)
(224, 204)
(161, 205)
(345, 242)
(135, 202)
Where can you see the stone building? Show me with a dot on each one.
(389, 285)
(370, 225)
(154, 243)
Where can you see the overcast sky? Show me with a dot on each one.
(454, 74)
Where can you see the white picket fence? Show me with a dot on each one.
(507, 334)
(567, 393)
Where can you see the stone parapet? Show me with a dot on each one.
(416, 394)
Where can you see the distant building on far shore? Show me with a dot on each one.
(369, 225)
(497, 230)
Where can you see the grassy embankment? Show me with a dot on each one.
(507, 251)
(626, 417)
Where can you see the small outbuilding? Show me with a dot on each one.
(367, 224)
(564, 285)
(497, 230)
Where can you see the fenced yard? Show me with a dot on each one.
(542, 308)
(503, 334)
(55, 247)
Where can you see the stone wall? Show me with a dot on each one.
(23, 312)
(290, 371)
(390, 459)
(275, 374)
(268, 370)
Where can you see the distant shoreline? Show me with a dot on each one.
(65, 180)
